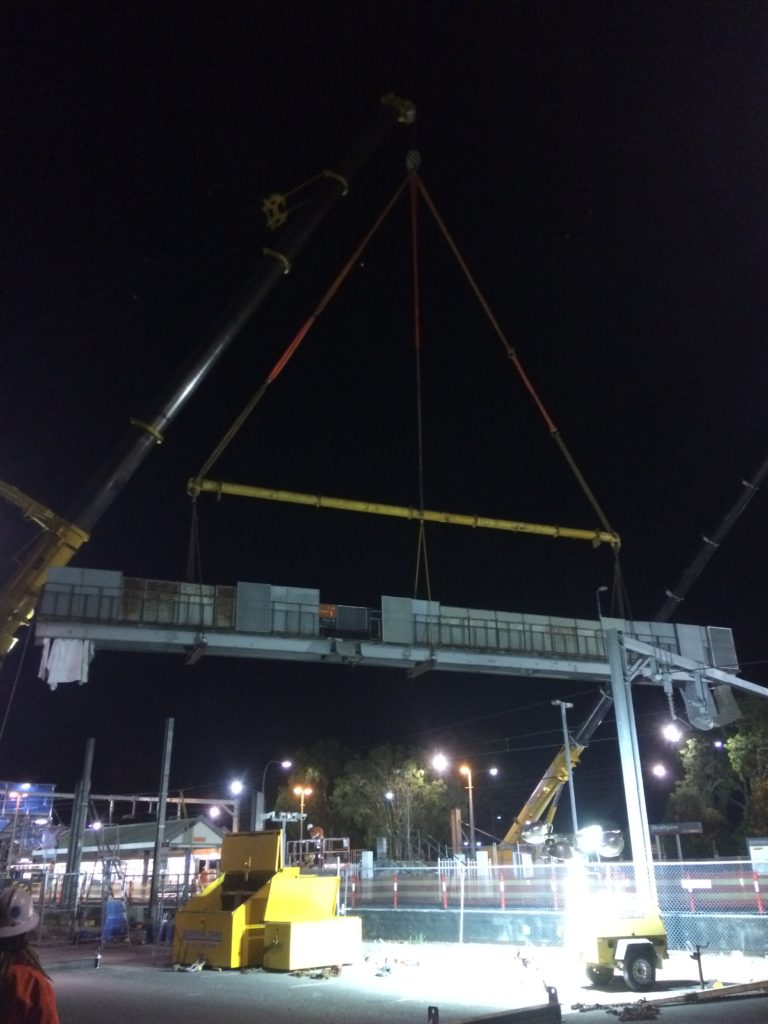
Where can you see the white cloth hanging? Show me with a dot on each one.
(65, 661)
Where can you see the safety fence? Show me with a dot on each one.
(687, 891)
(691, 894)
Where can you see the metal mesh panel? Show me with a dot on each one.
(720, 902)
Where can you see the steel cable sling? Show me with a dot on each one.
(618, 588)
(291, 348)
(288, 353)
(421, 548)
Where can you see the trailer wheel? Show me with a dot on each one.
(640, 968)
(600, 975)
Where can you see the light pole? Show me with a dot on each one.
(466, 770)
(564, 706)
(301, 792)
(236, 788)
(258, 802)
(598, 592)
(395, 851)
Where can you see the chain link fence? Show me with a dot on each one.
(532, 903)
(720, 903)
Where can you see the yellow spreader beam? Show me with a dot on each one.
(376, 508)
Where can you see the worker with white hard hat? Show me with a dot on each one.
(26, 992)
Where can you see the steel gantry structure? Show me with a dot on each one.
(84, 611)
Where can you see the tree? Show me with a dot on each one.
(317, 768)
(726, 788)
(387, 795)
(748, 755)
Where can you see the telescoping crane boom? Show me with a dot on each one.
(534, 822)
(63, 536)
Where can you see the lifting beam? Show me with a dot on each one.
(597, 537)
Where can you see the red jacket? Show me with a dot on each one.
(27, 997)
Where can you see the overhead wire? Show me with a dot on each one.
(421, 547)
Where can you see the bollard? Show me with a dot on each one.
(97, 959)
(691, 899)
(758, 895)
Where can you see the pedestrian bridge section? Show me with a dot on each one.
(100, 609)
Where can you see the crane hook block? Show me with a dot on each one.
(413, 161)
(339, 179)
(283, 260)
(275, 209)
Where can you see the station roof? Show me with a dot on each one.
(114, 840)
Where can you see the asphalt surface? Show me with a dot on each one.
(395, 983)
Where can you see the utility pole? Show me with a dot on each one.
(154, 902)
(564, 706)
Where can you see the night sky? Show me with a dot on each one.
(602, 168)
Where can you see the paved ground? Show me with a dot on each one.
(394, 981)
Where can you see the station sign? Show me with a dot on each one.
(677, 828)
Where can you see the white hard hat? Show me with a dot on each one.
(17, 914)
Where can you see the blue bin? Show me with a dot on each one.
(115, 920)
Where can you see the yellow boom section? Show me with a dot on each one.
(57, 546)
(543, 798)
(400, 511)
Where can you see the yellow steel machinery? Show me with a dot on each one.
(637, 946)
(56, 546)
(259, 913)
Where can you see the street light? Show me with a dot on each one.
(236, 788)
(440, 763)
(564, 706)
(466, 770)
(258, 802)
(672, 732)
(301, 792)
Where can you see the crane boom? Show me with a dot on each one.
(710, 545)
(541, 806)
(58, 544)
(542, 803)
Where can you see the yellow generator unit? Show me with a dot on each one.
(260, 914)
